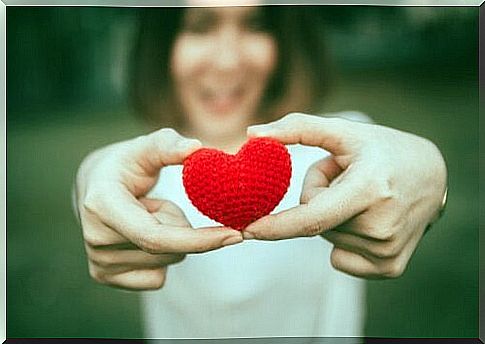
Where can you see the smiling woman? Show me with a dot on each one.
(228, 63)
(212, 74)
(221, 63)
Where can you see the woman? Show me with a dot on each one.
(210, 73)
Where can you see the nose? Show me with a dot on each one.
(227, 52)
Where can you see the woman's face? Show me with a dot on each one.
(221, 62)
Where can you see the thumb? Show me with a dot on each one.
(166, 212)
(160, 148)
(326, 210)
(337, 135)
(318, 177)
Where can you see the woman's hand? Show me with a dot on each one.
(372, 198)
(129, 239)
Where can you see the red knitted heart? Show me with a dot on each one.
(236, 190)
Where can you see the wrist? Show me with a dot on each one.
(74, 203)
(440, 212)
(442, 176)
(441, 209)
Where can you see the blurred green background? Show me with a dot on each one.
(413, 68)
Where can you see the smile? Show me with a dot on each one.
(222, 100)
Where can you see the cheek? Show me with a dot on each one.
(187, 58)
(262, 54)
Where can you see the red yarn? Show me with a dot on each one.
(236, 190)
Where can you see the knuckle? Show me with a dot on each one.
(157, 280)
(169, 134)
(312, 225)
(388, 250)
(293, 118)
(381, 253)
(92, 202)
(96, 274)
(204, 247)
(150, 244)
(267, 230)
(384, 234)
(335, 260)
(335, 120)
(179, 258)
(167, 140)
(393, 249)
(137, 141)
(271, 229)
(394, 269)
(157, 134)
(173, 259)
(312, 229)
(103, 259)
(167, 131)
(304, 198)
(382, 189)
(91, 238)
(160, 279)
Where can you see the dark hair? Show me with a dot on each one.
(299, 82)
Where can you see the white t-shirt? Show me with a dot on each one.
(255, 288)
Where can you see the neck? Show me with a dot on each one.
(229, 143)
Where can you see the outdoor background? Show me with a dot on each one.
(412, 68)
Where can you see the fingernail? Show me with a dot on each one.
(188, 144)
(259, 130)
(232, 240)
(248, 235)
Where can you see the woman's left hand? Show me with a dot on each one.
(372, 197)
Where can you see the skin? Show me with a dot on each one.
(221, 64)
(130, 240)
(372, 198)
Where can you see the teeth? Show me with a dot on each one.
(222, 93)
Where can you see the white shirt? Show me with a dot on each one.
(255, 288)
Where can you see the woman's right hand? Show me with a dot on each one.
(130, 239)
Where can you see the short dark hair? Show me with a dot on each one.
(299, 83)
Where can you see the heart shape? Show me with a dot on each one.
(236, 190)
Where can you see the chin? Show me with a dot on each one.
(219, 130)
(230, 124)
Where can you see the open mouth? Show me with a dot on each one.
(222, 100)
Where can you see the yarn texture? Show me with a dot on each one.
(236, 190)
